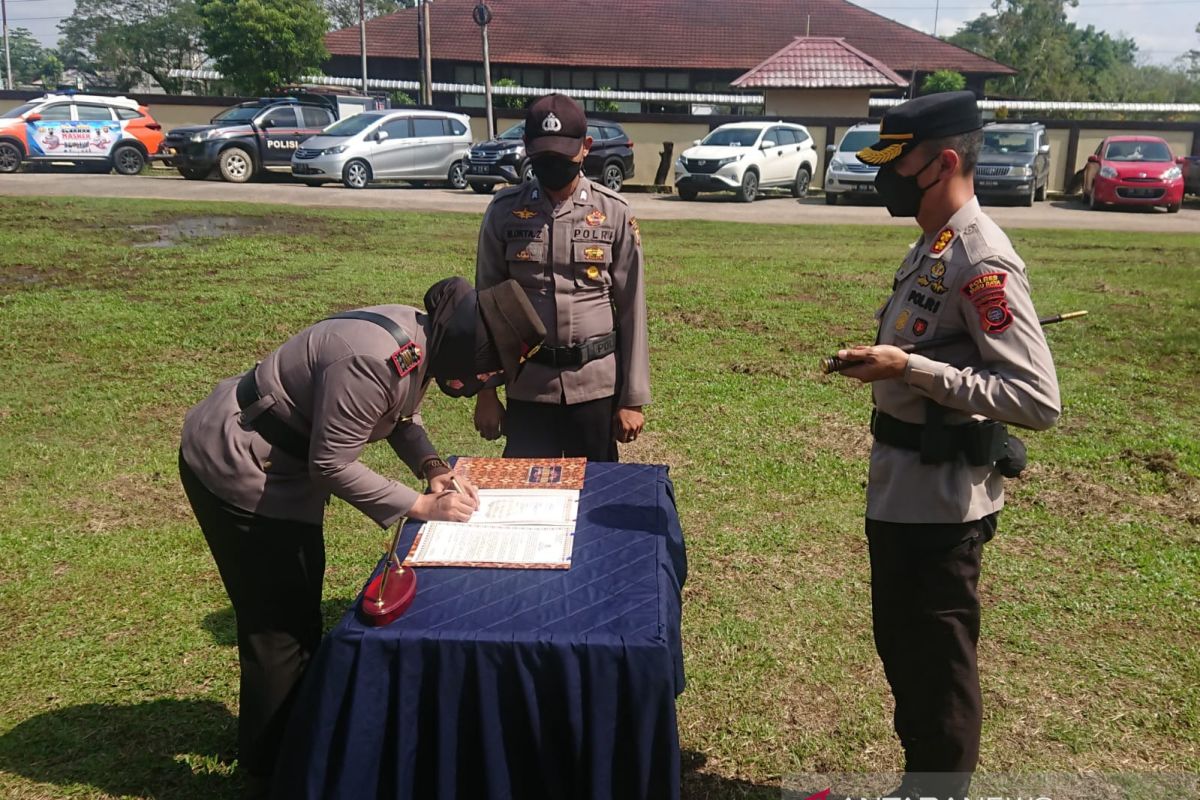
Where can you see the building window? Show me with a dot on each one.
(534, 77)
(656, 81)
(560, 79)
(629, 81)
(464, 74)
(606, 80)
(583, 79)
(679, 81)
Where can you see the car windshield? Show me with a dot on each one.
(236, 114)
(515, 132)
(351, 126)
(856, 140)
(18, 111)
(1137, 151)
(732, 137)
(1000, 142)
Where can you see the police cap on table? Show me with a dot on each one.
(933, 116)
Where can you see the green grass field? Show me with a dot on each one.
(118, 673)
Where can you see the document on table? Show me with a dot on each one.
(469, 544)
(512, 528)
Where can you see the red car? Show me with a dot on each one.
(1133, 171)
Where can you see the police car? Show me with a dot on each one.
(243, 141)
(82, 129)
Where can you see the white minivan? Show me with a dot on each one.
(406, 145)
(746, 157)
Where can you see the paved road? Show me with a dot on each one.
(773, 209)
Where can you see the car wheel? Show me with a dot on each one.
(831, 199)
(801, 184)
(10, 157)
(1028, 199)
(356, 174)
(688, 194)
(749, 188)
(1040, 194)
(613, 177)
(1174, 208)
(458, 176)
(128, 160)
(235, 165)
(527, 173)
(483, 188)
(193, 173)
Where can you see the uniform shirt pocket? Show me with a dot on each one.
(918, 319)
(527, 263)
(591, 261)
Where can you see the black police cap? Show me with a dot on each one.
(933, 116)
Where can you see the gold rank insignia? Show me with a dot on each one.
(524, 213)
(596, 218)
(594, 253)
(902, 320)
(942, 241)
(937, 270)
(593, 273)
(637, 231)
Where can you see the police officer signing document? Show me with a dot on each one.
(576, 250)
(936, 483)
(261, 456)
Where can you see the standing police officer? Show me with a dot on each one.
(261, 455)
(576, 250)
(935, 487)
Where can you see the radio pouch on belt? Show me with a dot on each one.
(937, 441)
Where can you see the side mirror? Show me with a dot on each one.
(1181, 161)
(767, 144)
(831, 149)
(1093, 159)
(1044, 149)
(695, 142)
(380, 135)
(34, 117)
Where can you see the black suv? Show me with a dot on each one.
(1014, 163)
(502, 160)
(248, 138)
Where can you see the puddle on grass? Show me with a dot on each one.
(176, 231)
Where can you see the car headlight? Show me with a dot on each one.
(727, 161)
(1108, 172)
(333, 151)
(679, 163)
(1020, 172)
(837, 163)
(1172, 174)
(197, 138)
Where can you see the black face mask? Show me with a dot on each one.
(555, 172)
(903, 193)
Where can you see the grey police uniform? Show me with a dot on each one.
(334, 385)
(968, 279)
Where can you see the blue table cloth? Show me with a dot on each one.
(519, 684)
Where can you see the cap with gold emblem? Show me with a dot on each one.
(933, 116)
(555, 124)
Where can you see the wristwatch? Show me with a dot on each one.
(433, 467)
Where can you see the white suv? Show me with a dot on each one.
(847, 177)
(745, 157)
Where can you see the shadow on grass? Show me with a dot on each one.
(697, 785)
(166, 749)
(222, 626)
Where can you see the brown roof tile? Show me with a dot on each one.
(656, 34)
(820, 62)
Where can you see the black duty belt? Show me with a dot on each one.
(980, 443)
(277, 432)
(270, 427)
(579, 354)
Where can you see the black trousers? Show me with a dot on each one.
(272, 570)
(925, 612)
(557, 430)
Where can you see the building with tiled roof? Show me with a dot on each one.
(825, 72)
(637, 45)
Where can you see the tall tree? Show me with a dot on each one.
(122, 42)
(261, 44)
(344, 13)
(26, 54)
